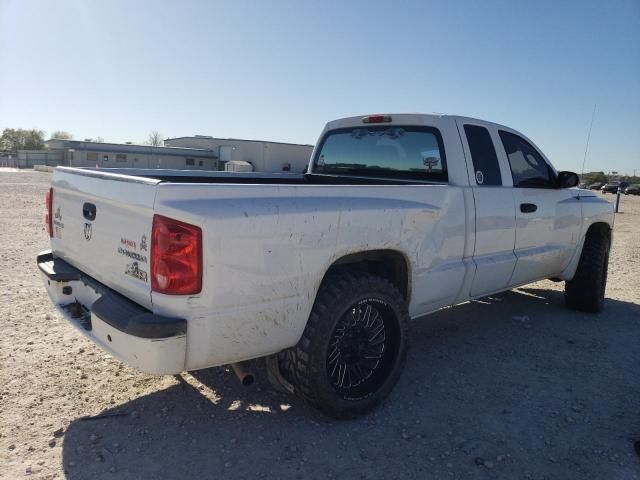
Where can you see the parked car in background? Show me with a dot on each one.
(583, 185)
(632, 189)
(596, 186)
(612, 187)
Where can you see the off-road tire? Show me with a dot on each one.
(307, 365)
(275, 374)
(585, 292)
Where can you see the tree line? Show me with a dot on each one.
(14, 139)
(601, 177)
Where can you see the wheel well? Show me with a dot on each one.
(388, 264)
(599, 229)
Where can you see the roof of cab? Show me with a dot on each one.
(405, 118)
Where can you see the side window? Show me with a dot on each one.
(483, 155)
(528, 168)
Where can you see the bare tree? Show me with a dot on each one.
(61, 135)
(155, 139)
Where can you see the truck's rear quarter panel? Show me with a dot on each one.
(267, 248)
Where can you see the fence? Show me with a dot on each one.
(30, 158)
(8, 162)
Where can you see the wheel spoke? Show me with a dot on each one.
(366, 315)
(336, 365)
(372, 319)
(356, 314)
(376, 337)
(348, 375)
(372, 355)
(341, 373)
(335, 355)
(361, 376)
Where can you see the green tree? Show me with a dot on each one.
(14, 139)
(593, 177)
(61, 135)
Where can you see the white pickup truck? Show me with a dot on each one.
(397, 216)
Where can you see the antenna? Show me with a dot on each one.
(586, 148)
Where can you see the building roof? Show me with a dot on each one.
(130, 148)
(206, 137)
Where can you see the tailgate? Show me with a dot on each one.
(102, 226)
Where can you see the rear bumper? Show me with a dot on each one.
(152, 343)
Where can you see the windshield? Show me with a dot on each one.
(409, 153)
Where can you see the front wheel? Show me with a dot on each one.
(585, 291)
(354, 346)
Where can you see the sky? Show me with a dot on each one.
(279, 70)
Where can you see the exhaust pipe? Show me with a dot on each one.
(240, 369)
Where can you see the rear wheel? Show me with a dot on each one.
(353, 349)
(586, 290)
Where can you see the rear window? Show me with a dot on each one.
(406, 153)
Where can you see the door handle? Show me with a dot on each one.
(528, 207)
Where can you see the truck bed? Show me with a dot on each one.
(193, 176)
(267, 240)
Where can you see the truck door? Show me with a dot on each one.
(495, 216)
(548, 219)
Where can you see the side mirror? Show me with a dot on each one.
(568, 179)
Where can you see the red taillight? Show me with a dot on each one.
(377, 119)
(48, 216)
(176, 257)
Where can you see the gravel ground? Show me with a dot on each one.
(511, 386)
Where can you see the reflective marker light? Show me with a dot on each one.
(176, 257)
(377, 119)
(48, 216)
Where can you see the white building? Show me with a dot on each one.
(198, 153)
(77, 153)
(264, 156)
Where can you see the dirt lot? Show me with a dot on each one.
(486, 393)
